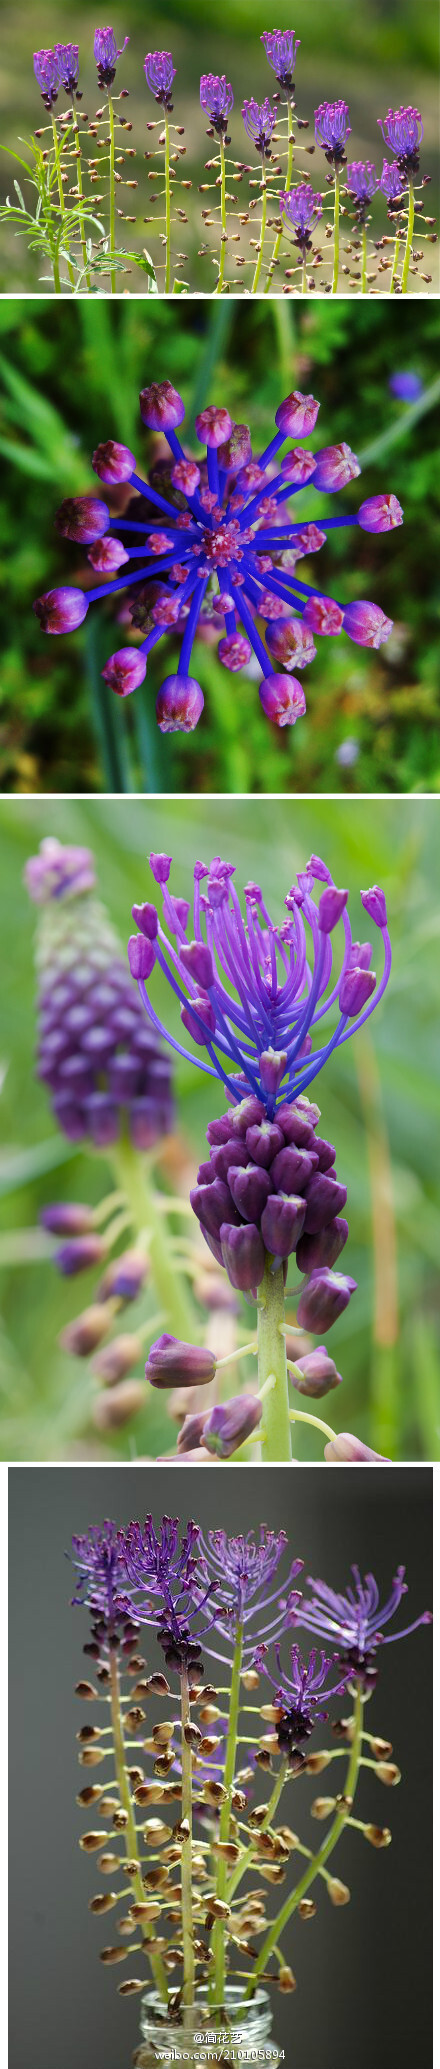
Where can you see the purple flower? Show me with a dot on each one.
(159, 1564)
(243, 1574)
(354, 1622)
(230, 1423)
(392, 182)
(298, 1694)
(67, 56)
(332, 128)
(106, 55)
(400, 130)
(101, 1582)
(301, 206)
(47, 75)
(215, 537)
(159, 73)
(259, 124)
(217, 100)
(406, 387)
(281, 54)
(95, 1054)
(362, 182)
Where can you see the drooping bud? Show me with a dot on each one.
(250, 1189)
(83, 518)
(79, 1255)
(290, 642)
(347, 1450)
(83, 1335)
(117, 1358)
(330, 908)
(117, 1406)
(199, 1018)
(113, 462)
(161, 406)
(229, 1425)
(337, 1891)
(145, 918)
(324, 1197)
(124, 671)
(141, 955)
(172, 1363)
(366, 624)
(319, 1374)
(124, 1276)
(377, 1835)
(336, 465)
(190, 1435)
(324, 1297)
(323, 615)
(214, 425)
(179, 704)
(243, 1255)
(281, 1223)
(357, 986)
(107, 555)
(374, 904)
(380, 514)
(61, 610)
(197, 959)
(282, 698)
(297, 415)
(68, 1218)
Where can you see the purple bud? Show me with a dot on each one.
(67, 1218)
(160, 866)
(282, 698)
(357, 986)
(79, 1254)
(83, 1335)
(290, 642)
(141, 955)
(297, 415)
(380, 514)
(107, 555)
(366, 624)
(83, 518)
(179, 704)
(171, 1363)
(374, 904)
(297, 1123)
(198, 961)
(237, 449)
(234, 652)
(117, 1358)
(113, 462)
(186, 476)
(331, 906)
(348, 1450)
(102, 1119)
(243, 1255)
(250, 1190)
(219, 1131)
(324, 1198)
(61, 610)
(336, 465)
(244, 1115)
(161, 407)
(323, 615)
(326, 1153)
(319, 1374)
(213, 425)
(292, 1169)
(145, 917)
(191, 1433)
(228, 1153)
(282, 1222)
(298, 465)
(201, 1006)
(124, 1277)
(124, 671)
(273, 1066)
(324, 1297)
(263, 1142)
(212, 1204)
(228, 1426)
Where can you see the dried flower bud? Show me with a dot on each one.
(286, 1979)
(306, 1909)
(322, 1806)
(114, 1408)
(338, 1892)
(377, 1835)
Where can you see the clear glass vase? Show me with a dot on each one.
(237, 2034)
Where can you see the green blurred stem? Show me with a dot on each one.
(167, 281)
(133, 1174)
(262, 232)
(56, 145)
(272, 1367)
(248, 1855)
(304, 278)
(384, 1395)
(318, 1860)
(218, 1935)
(81, 198)
(364, 260)
(186, 1861)
(409, 238)
(336, 237)
(426, 1385)
(221, 267)
(395, 263)
(277, 244)
(112, 192)
(130, 1833)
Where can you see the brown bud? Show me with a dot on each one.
(149, 1792)
(111, 1954)
(162, 1733)
(338, 1892)
(214, 1793)
(120, 1820)
(257, 1817)
(307, 1908)
(388, 1773)
(108, 1805)
(209, 1713)
(129, 1868)
(290, 1838)
(135, 1717)
(238, 1800)
(89, 1795)
(273, 1871)
(156, 1878)
(378, 1835)
(217, 1909)
(88, 1732)
(250, 1679)
(87, 1330)
(182, 1831)
(87, 1693)
(316, 1762)
(91, 1757)
(128, 1989)
(343, 1728)
(322, 1806)
(209, 1745)
(146, 1913)
(286, 1979)
(155, 1832)
(125, 1927)
(227, 1851)
(117, 1358)
(269, 1712)
(262, 1759)
(381, 1749)
(135, 1776)
(112, 1409)
(103, 1902)
(90, 1841)
(108, 1862)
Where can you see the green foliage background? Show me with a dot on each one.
(390, 1394)
(376, 54)
(69, 377)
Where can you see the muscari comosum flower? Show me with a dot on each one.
(354, 1622)
(213, 539)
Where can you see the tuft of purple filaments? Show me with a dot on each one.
(362, 183)
(101, 1582)
(298, 1695)
(106, 55)
(332, 127)
(217, 100)
(279, 983)
(159, 73)
(259, 122)
(299, 208)
(281, 54)
(400, 130)
(227, 546)
(242, 1570)
(47, 74)
(159, 1564)
(354, 1621)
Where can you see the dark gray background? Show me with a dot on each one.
(364, 1972)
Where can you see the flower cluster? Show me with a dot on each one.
(298, 1695)
(354, 1622)
(216, 538)
(56, 69)
(106, 55)
(281, 55)
(159, 73)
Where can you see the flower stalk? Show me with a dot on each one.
(272, 1367)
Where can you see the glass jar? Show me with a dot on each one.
(237, 2034)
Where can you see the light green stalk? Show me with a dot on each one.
(133, 1174)
(167, 281)
(277, 244)
(364, 260)
(262, 232)
(130, 1833)
(272, 1367)
(112, 192)
(318, 1860)
(247, 1858)
(56, 145)
(395, 263)
(218, 1936)
(336, 236)
(81, 197)
(409, 238)
(186, 1861)
(221, 268)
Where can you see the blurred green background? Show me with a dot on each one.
(69, 377)
(379, 1099)
(375, 54)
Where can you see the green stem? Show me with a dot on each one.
(167, 281)
(81, 198)
(272, 1364)
(262, 232)
(247, 1857)
(56, 275)
(186, 1862)
(56, 145)
(409, 238)
(130, 1833)
(222, 257)
(364, 260)
(336, 237)
(112, 192)
(133, 1175)
(304, 278)
(318, 1860)
(298, 1415)
(395, 263)
(277, 244)
(218, 1936)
